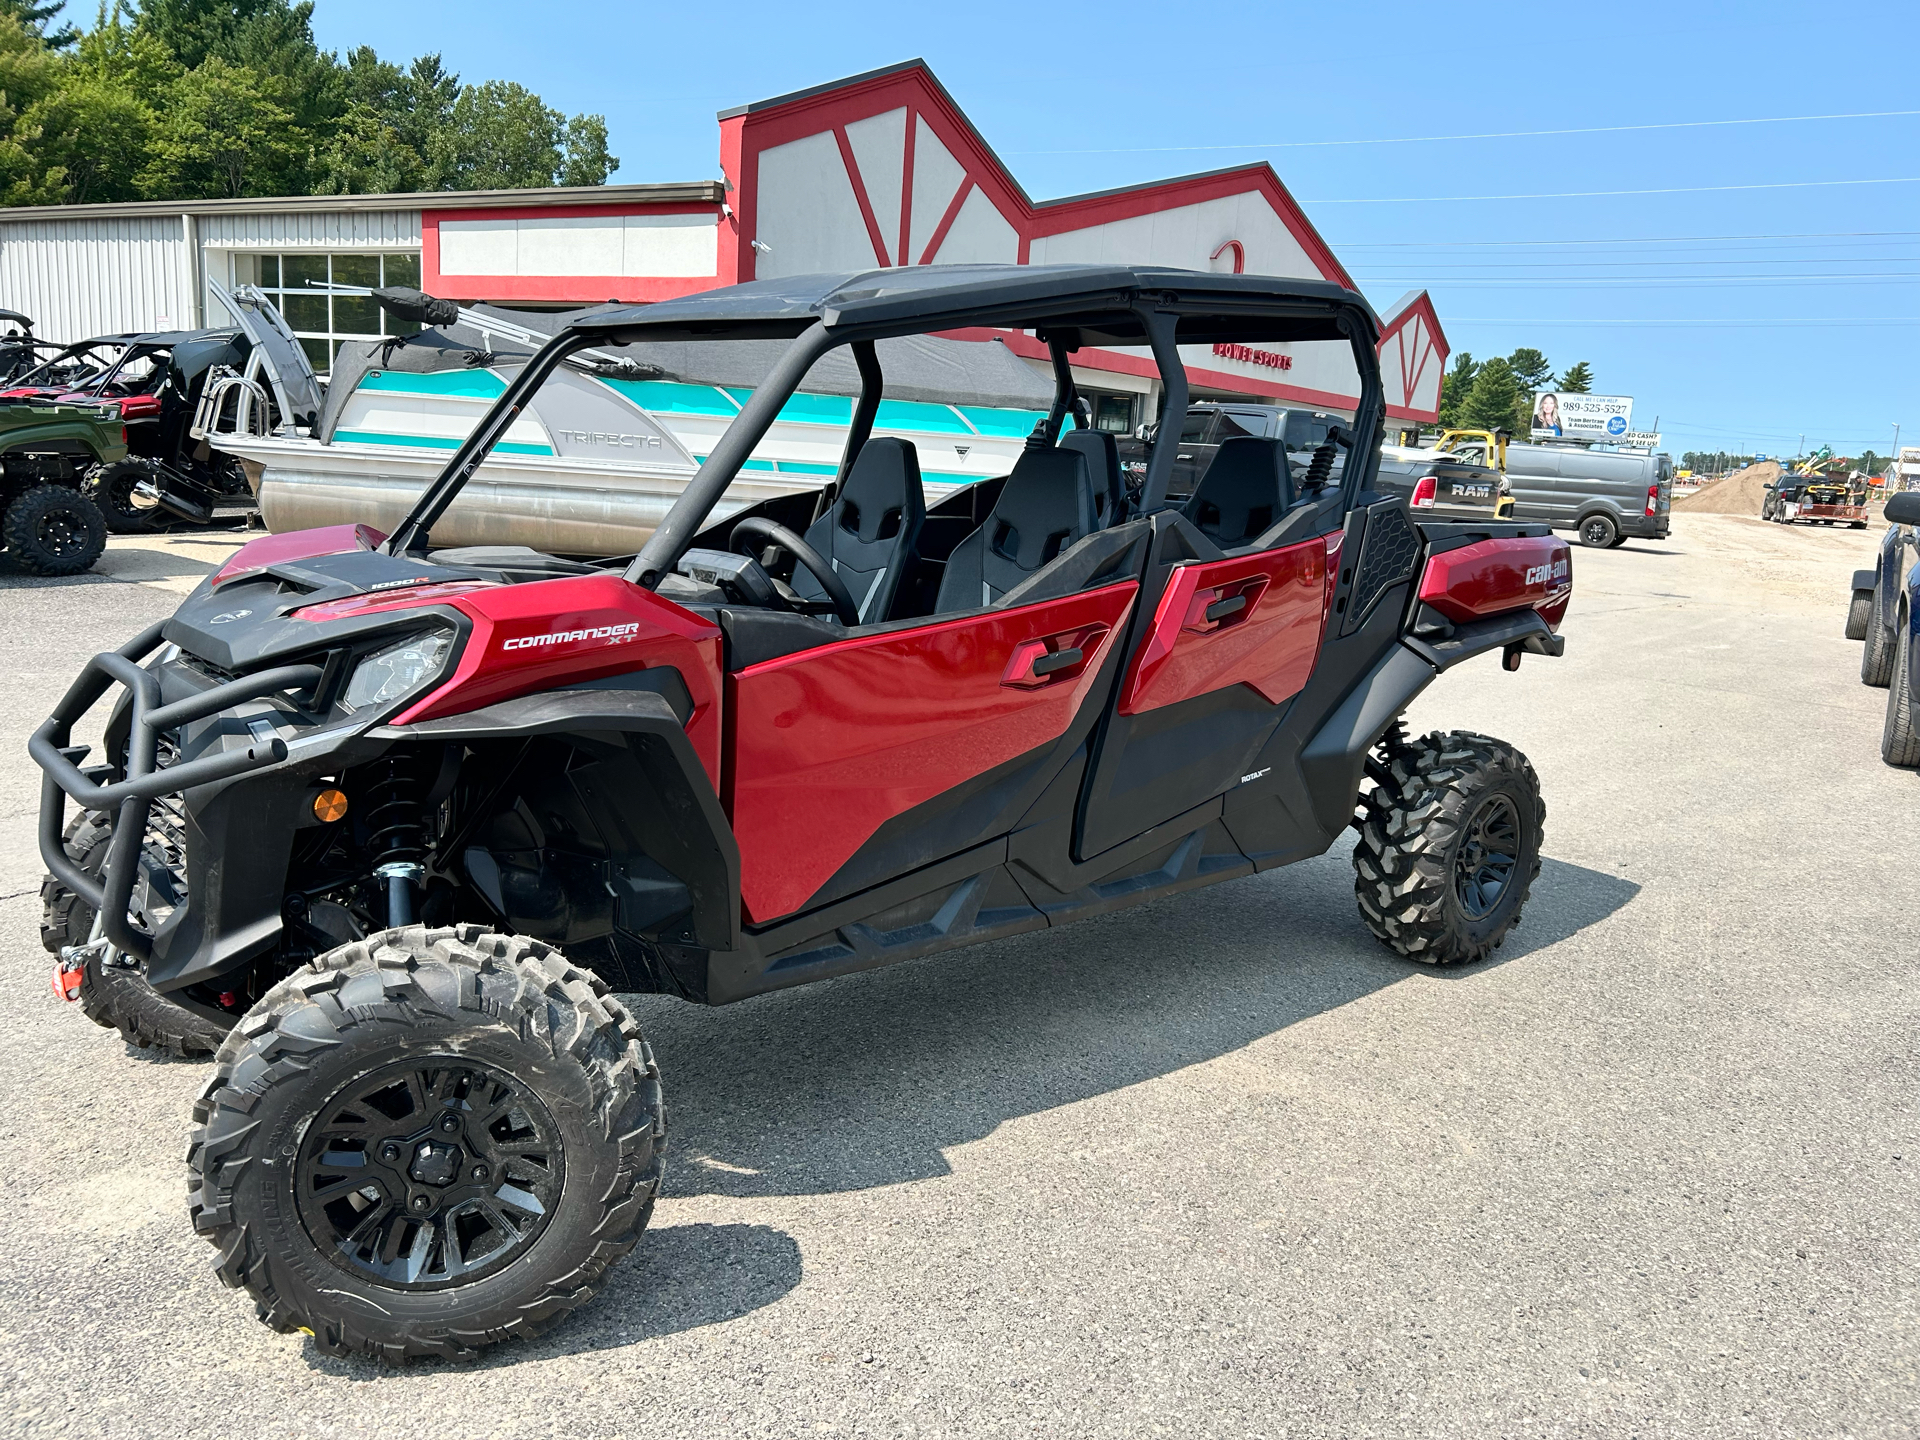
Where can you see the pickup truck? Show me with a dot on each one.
(1439, 485)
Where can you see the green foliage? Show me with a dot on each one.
(1578, 380)
(1491, 404)
(1531, 370)
(1455, 386)
(195, 99)
(34, 17)
(223, 134)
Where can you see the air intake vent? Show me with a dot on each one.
(1386, 558)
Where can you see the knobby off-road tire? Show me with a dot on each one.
(1425, 865)
(1899, 744)
(1876, 661)
(111, 488)
(54, 530)
(383, 1050)
(1859, 614)
(117, 997)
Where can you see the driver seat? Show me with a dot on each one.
(871, 532)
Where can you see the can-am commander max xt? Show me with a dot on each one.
(399, 822)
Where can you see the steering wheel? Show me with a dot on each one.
(844, 609)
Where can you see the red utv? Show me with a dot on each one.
(390, 825)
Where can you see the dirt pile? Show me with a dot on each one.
(1737, 494)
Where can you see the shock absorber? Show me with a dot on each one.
(397, 832)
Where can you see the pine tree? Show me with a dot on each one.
(1530, 369)
(1578, 380)
(1455, 385)
(1490, 404)
(35, 17)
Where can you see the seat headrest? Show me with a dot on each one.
(1046, 505)
(883, 494)
(1247, 487)
(1103, 464)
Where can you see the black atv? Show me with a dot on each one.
(400, 822)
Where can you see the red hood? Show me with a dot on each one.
(257, 555)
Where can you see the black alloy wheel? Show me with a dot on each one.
(429, 1172)
(1489, 851)
(1449, 845)
(427, 1142)
(54, 530)
(1598, 532)
(111, 488)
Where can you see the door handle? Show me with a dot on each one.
(1223, 606)
(1036, 663)
(1183, 457)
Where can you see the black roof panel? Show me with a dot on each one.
(932, 297)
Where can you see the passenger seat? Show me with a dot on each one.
(1247, 487)
(1046, 505)
(871, 532)
(1103, 464)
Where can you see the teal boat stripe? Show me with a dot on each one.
(433, 442)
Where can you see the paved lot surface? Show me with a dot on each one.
(1217, 1166)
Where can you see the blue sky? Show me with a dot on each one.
(1741, 317)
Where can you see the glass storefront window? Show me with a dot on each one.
(322, 320)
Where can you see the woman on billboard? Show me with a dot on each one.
(1546, 414)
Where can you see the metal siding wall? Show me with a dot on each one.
(313, 229)
(93, 277)
(221, 235)
(96, 276)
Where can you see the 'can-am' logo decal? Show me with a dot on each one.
(619, 634)
(1541, 574)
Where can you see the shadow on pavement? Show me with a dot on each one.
(680, 1278)
(866, 1081)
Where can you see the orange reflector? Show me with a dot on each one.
(329, 806)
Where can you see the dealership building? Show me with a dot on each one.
(880, 169)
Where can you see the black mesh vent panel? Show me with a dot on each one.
(1386, 558)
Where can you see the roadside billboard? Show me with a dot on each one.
(1557, 414)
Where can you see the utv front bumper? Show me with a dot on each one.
(129, 790)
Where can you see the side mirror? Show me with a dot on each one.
(1146, 432)
(1903, 508)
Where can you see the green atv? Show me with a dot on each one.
(47, 524)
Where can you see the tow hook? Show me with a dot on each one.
(72, 968)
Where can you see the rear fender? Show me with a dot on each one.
(1498, 575)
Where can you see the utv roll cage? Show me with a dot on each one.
(1066, 306)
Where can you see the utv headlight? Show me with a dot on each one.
(397, 671)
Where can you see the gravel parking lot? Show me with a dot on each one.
(1220, 1165)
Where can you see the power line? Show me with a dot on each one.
(1642, 282)
(1488, 135)
(1622, 240)
(1609, 194)
(1452, 320)
(1398, 266)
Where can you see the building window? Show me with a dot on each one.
(322, 320)
(1113, 413)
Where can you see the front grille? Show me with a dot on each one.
(1386, 558)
